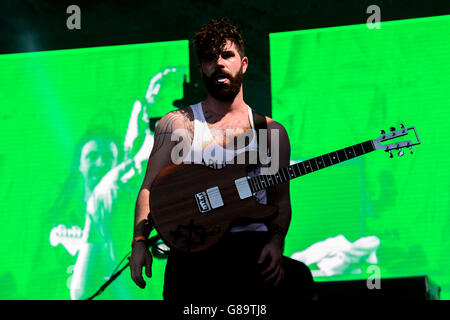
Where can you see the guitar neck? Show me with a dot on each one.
(301, 168)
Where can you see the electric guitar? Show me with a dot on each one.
(193, 206)
(70, 238)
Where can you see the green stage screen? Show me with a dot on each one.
(371, 216)
(76, 130)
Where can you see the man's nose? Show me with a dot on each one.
(220, 62)
(99, 162)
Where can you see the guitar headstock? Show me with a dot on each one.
(393, 134)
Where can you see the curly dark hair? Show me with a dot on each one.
(211, 39)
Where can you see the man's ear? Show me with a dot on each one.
(244, 64)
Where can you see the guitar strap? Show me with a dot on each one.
(259, 122)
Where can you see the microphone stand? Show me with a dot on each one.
(150, 242)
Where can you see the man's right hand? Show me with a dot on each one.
(140, 257)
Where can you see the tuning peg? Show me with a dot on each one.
(402, 126)
(392, 129)
(390, 154)
(383, 132)
(410, 149)
(400, 153)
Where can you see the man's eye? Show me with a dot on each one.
(92, 156)
(227, 55)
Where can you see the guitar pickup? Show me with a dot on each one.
(243, 187)
(211, 199)
(215, 198)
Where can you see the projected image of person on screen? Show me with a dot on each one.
(96, 154)
(108, 186)
(105, 184)
(98, 165)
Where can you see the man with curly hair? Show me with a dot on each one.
(247, 263)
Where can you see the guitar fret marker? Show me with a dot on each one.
(304, 167)
(337, 157)
(259, 183)
(307, 167)
(291, 172)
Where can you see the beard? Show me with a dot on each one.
(223, 91)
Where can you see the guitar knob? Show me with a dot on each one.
(383, 132)
(400, 153)
(392, 129)
(410, 149)
(390, 154)
(402, 126)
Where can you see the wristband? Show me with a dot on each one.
(147, 227)
(137, 239)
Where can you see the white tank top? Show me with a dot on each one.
(204, 150)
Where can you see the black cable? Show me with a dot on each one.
(150, 242)
(121, 261)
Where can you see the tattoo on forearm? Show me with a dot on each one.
(142, 229)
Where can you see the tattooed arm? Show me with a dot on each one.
(160, 157)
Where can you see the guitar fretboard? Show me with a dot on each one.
(301, 168)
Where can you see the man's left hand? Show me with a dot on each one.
(271, 252)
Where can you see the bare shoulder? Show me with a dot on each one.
(186, 113)
(174, 124)
(282, 146)
(274, 125)
(175, 119)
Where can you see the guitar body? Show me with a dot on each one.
(176, 211)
